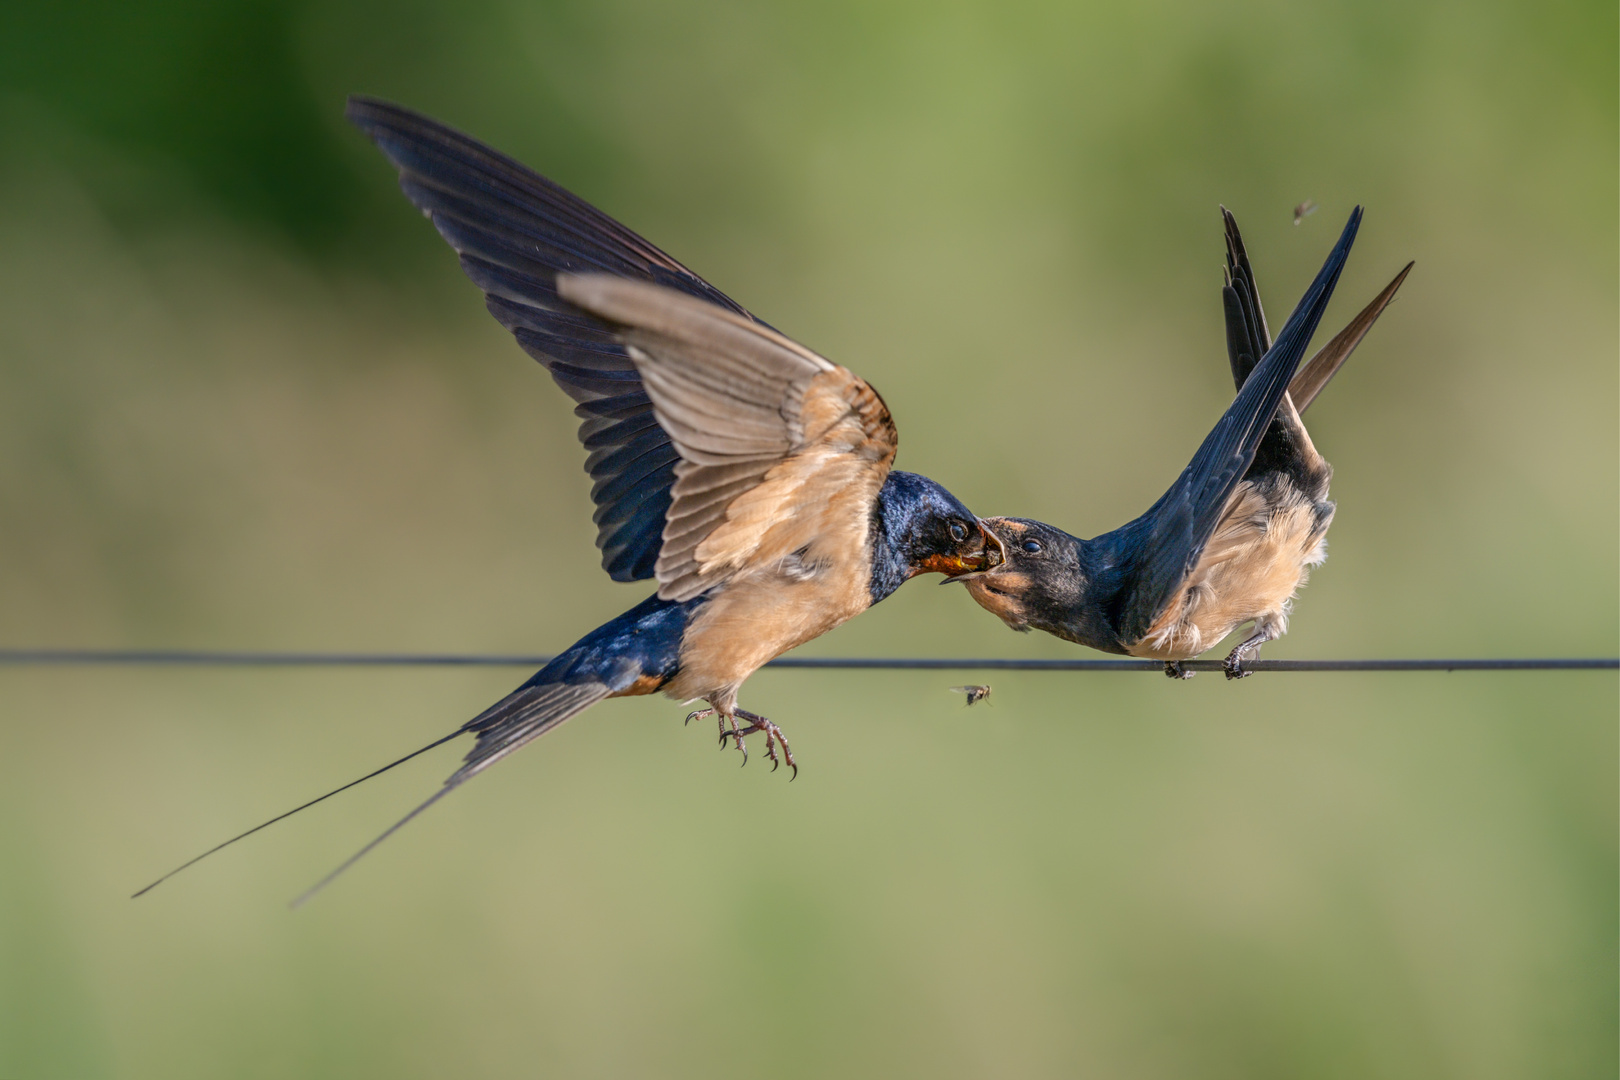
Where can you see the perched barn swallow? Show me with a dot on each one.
(751, 477)
(1234, 537)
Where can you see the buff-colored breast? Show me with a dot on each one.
(790, 598)
(1257, 560)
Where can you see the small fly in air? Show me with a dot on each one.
(1304, 210)
(975, 694)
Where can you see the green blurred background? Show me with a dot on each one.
(247, 401)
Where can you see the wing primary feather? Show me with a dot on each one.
(629, 504)
(616, 407)
(433, 150)
(610, 488)
(514, 231)
(621, 430)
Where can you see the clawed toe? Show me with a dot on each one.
(1174, 670)
(1233, 664)
(725, 733)
(1247, 650)
(773, 739)
(776, 746)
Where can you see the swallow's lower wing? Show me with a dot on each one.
(515, 231)
(781, 449)
(1173, 533)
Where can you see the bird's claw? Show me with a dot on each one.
(1233, 664)
(773, 739)
(734, 734)
(753, 722)
(725, 733)
(1174, 670)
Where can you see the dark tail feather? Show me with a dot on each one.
(296, 809)
(1316, 372)
(1242, 351)
(309, 893)
(1247, 335)
(520, 717)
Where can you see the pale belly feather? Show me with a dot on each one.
(1254, 564)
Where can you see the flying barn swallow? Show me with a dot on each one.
(1234, 537)
(747, 474)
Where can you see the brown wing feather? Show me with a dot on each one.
(767, 431)
(1316, 372)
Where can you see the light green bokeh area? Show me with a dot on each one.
(247, 401)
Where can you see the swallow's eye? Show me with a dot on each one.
(1032, 546)
(958, 531)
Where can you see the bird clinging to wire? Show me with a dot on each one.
(751, 477)
(1233, 538)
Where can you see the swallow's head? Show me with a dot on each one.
(933, 532)
(1039, 584)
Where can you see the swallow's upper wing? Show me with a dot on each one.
(1169, 538)
(780, 449)
(1247, 337)
(515, 231)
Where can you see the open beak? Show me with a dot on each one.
(991, 555)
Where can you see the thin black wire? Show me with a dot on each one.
(228, 658)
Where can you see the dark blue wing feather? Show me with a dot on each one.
(515, 231)
(1164, 544)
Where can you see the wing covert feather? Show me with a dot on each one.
(765, 428)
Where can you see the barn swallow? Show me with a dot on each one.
(1234, 537)
(748, 475)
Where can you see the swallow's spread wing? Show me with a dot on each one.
(1248, 338)
(769, 433)
(515, 231)
(1174, 531)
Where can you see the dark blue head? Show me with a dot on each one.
(918, 528)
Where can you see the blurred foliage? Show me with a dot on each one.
(246, 400)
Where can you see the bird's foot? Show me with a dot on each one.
(1249, 649)
(773, 738)
(725, 733)
(1174, 670)
(1233, 664)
